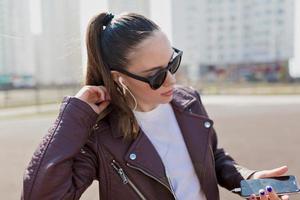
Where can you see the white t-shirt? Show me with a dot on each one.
(161, 127)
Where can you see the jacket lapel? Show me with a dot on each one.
(195, 128)
(146, 158)
(196, 137)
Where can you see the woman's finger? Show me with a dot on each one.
(104, 99)
(90, 94)
(107, 95)
(263, 194)
(252, 197)
(274, 172)
(272, 194)
(96, 96)
(99, 94)
(279, 171)
(103, 105)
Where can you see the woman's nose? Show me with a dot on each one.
(170, 79)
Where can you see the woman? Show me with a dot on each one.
(131, 128)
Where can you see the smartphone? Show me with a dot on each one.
(281, 185)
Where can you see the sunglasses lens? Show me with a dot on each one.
(161, 76)
(159, 80)
(175, 64)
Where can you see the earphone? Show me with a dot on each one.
(124, 87)
(120, 79)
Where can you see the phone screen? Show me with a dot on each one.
(282, 185)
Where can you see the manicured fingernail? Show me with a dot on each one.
(262, 192)
(269, 188)
(253, 196)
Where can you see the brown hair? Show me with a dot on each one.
(109, 48)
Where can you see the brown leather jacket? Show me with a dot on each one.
(76, 151)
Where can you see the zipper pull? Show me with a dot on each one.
(120, 171)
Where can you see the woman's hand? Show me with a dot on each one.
(268, 193)
(96, 96)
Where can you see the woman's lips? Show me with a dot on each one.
(168, 93)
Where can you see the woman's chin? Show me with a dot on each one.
(167, 99)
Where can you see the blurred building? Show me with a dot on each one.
(138, 6)
(248, 31)
(16, 42)
(52, 56)
(2, 17)
(59, 44)
(249, 36)
(252, 39)
(187, 28)
(294, 62)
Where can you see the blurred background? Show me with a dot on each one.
(242, 56)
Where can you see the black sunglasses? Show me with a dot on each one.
(156, 80)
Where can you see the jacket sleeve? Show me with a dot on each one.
(65, 162)
(229, 172)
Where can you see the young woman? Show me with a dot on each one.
(131, 128)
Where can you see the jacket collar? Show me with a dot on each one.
(181, 101)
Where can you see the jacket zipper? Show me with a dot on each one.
(146, 173)
(125, 179)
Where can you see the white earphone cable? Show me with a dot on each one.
(124, 87)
